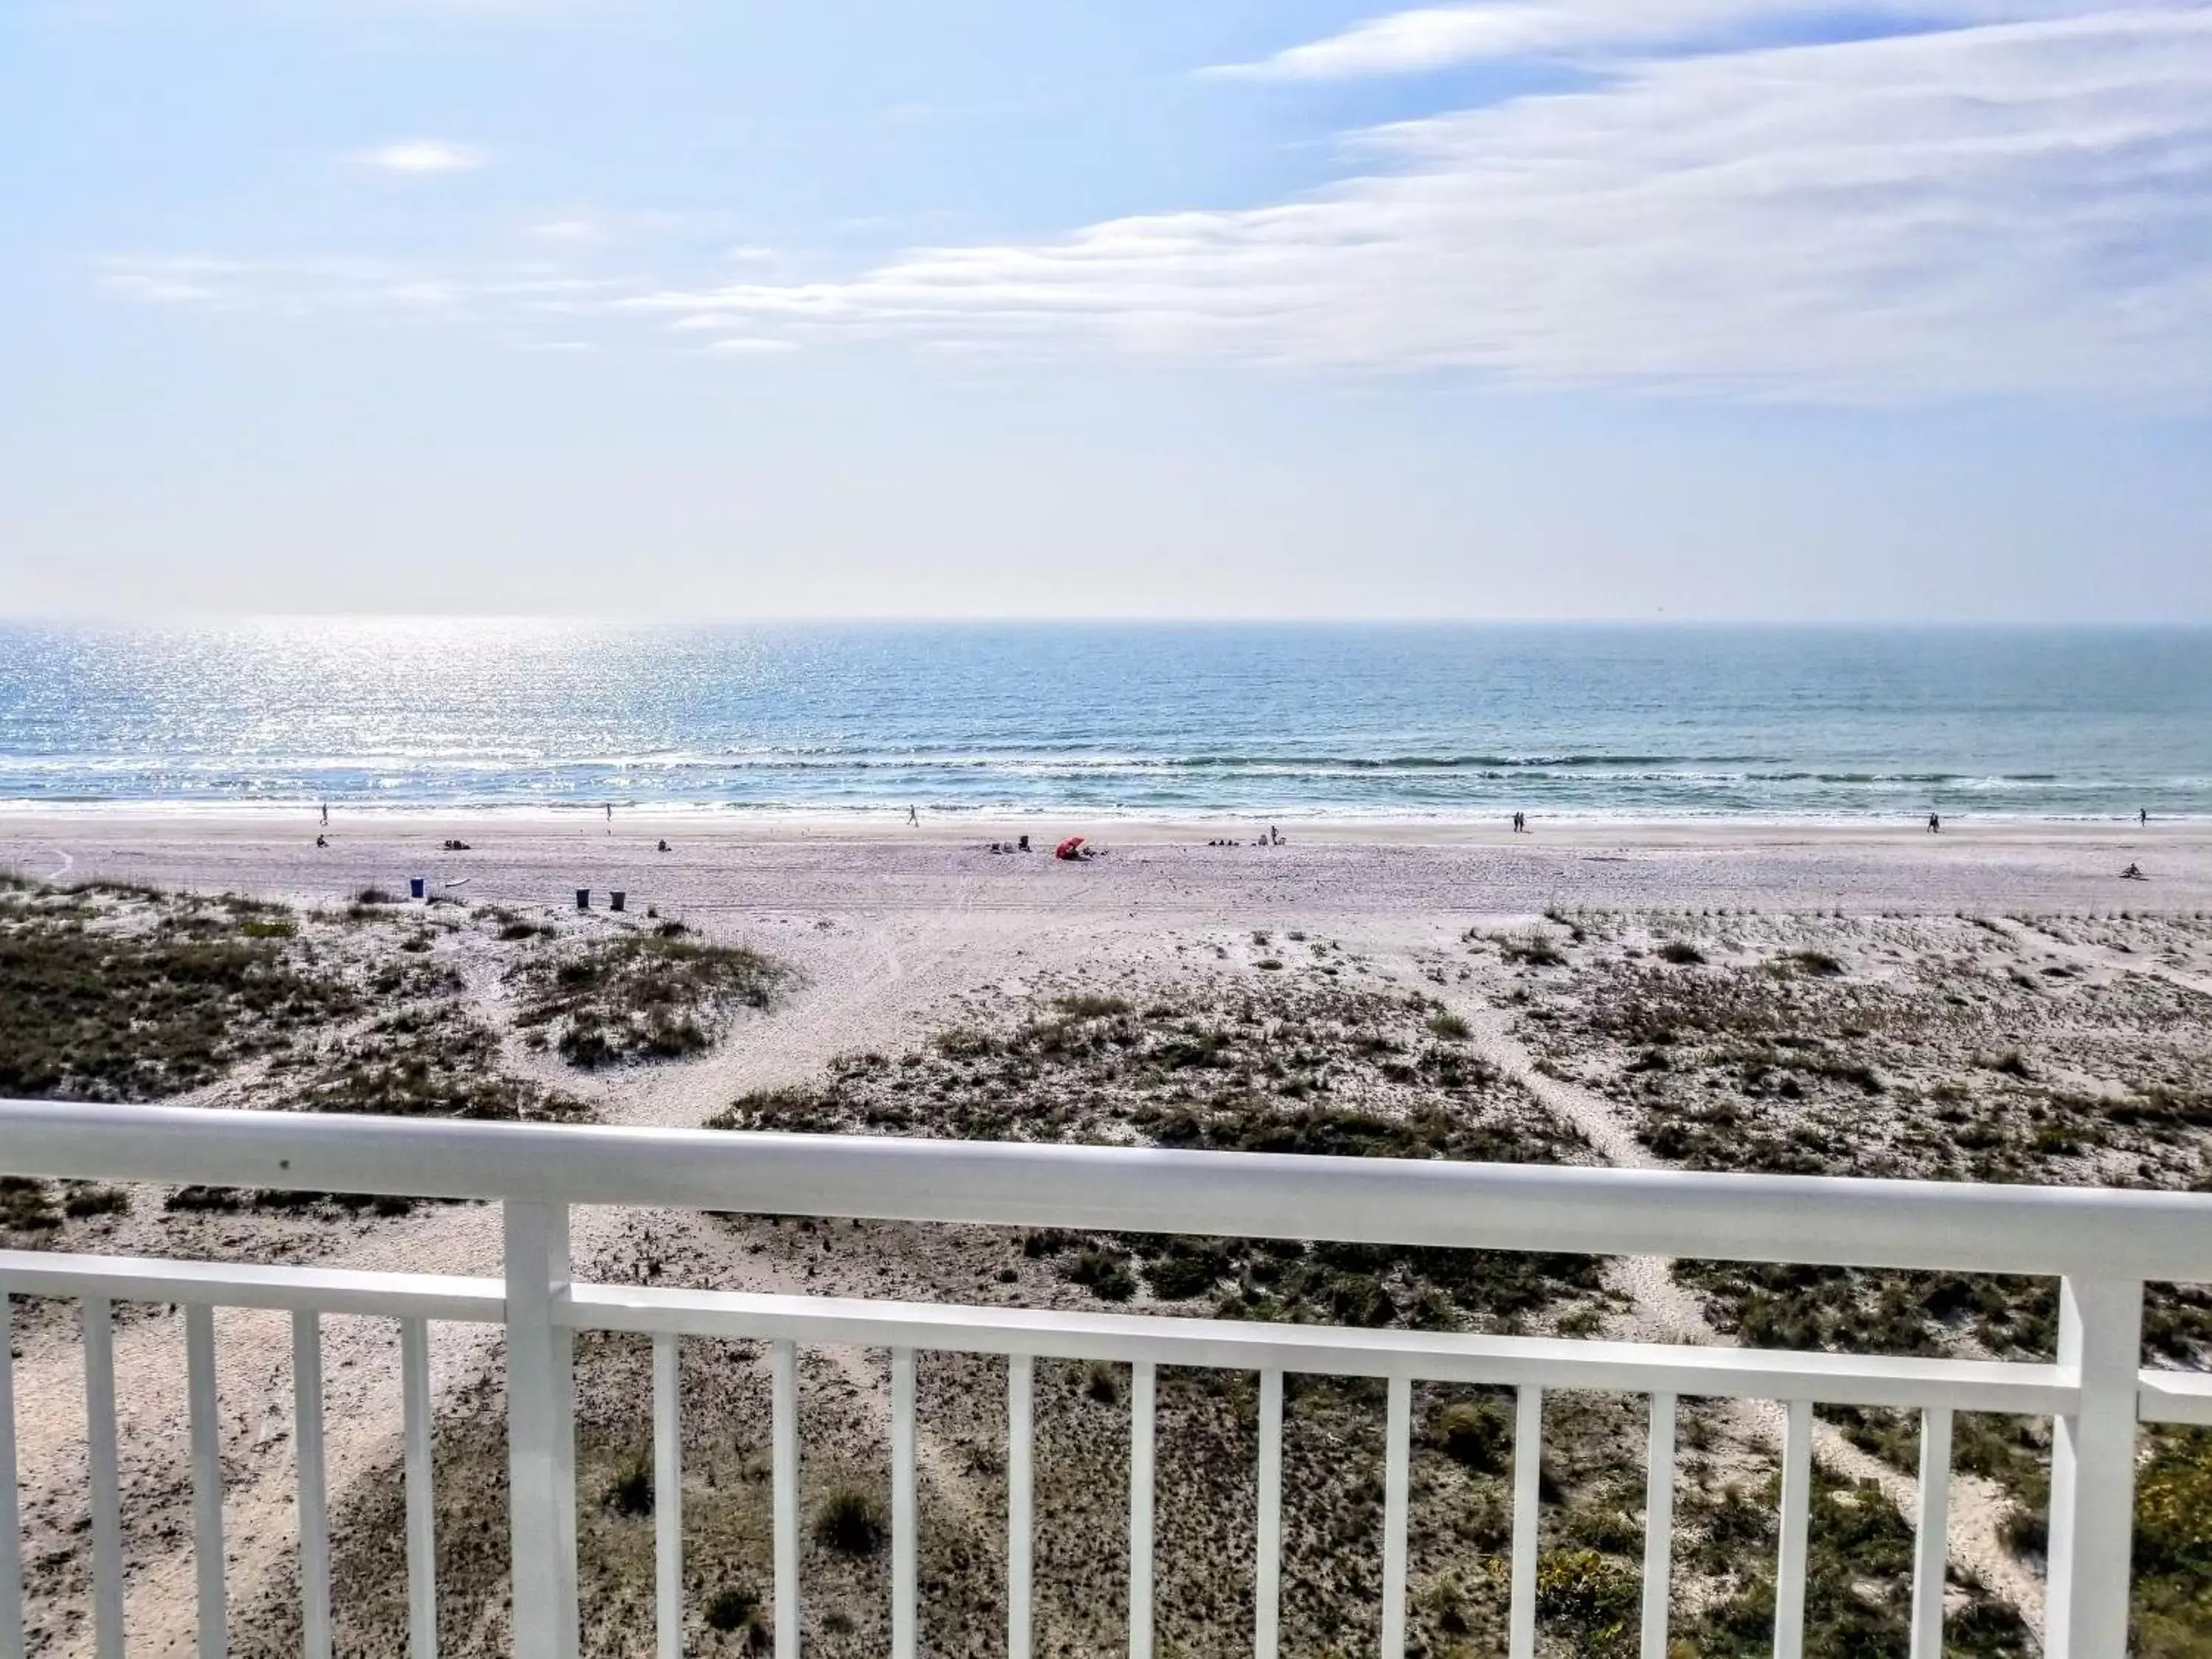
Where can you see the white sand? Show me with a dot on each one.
(874, 867)
(887, 924)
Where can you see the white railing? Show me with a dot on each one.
(2102, 1245)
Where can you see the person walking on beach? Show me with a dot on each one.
(913, 820)
(1935, 824)
(326, 815)
(610, 818)
(2142, 817)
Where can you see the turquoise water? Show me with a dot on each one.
(1403, 720)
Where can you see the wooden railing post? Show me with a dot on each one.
(2092, 1471)
(541, 1433)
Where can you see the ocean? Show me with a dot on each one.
(1194, 719)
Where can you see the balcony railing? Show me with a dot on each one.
(2102, 1245)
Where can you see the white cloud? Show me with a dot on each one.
(1433, 37)
(354, 287)
(569, 230)
(2018, 208)
(2022, 207)
(423, 156)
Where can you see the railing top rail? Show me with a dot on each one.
(2092, 1232)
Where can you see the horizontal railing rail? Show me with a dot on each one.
(2035, 1231)
(2102, 1245)
(1868, 1380)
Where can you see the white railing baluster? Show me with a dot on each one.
(1797, 1517)
(1658, 1526)
(1267, 1559)
(314, 1511)
(2092, 1471)
(563, 1375)
(1397, 1490)
(11, 1524)
(1931, 1542)
(101, 1471)
(1528, 1486)
(2097, 1389)
(205, 1419)
(784, 1429)
(1020, 1527)
(421, 1491)
(540, 1404)
(668, 1496)
(1142, 1378)
(906, 1516)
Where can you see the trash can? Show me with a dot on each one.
(415, 884)
(615, 899)
(583, 898)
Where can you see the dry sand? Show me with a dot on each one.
(887, 926)
(1407, 870)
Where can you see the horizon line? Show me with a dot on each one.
(802, 619)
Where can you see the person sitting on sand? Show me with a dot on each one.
(322, 841)
(2133, 873)
(661, 847)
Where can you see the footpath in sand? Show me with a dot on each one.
(885, 934)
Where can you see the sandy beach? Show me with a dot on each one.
(874, 865)
(893, 937)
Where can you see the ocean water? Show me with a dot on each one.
(1616, 721)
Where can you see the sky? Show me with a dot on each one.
(700, 308)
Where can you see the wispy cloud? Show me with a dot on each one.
(753, 347)
(422, 155)
(2008, 208)
(355, 287)
(1435, 37)
(1976, 210)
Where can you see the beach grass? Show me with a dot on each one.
(639, 996)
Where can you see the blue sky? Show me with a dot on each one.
(1536, 307)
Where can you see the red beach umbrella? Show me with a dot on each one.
(1066, 849)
